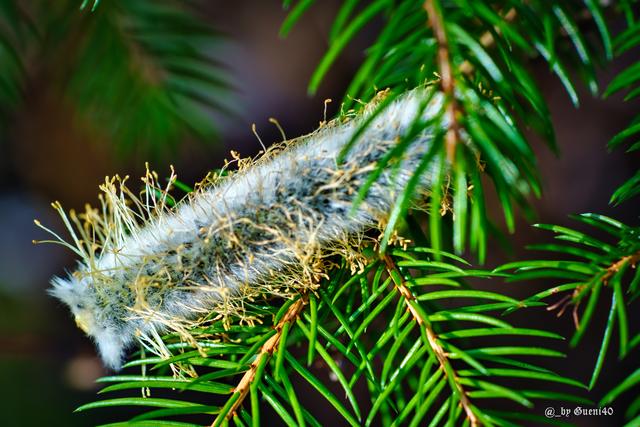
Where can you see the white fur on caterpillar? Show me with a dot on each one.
(147, 269)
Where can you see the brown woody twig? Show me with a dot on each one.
(439, 352)
(267, 350)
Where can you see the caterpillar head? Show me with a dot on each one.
(81, 299)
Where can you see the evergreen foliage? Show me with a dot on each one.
(138, 71)
(411, 339)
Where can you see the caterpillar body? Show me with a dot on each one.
(146, 269)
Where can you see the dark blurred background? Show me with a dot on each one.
(51, 152)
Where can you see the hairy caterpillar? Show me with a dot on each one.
(146, 268)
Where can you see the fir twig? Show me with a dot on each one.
(266, 352)
(447, 80)
(631, 259)
(436, 348)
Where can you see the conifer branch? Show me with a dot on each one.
(447, 80)
(603, 276)
(266, 351)
(423, 321)
(631, 259)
